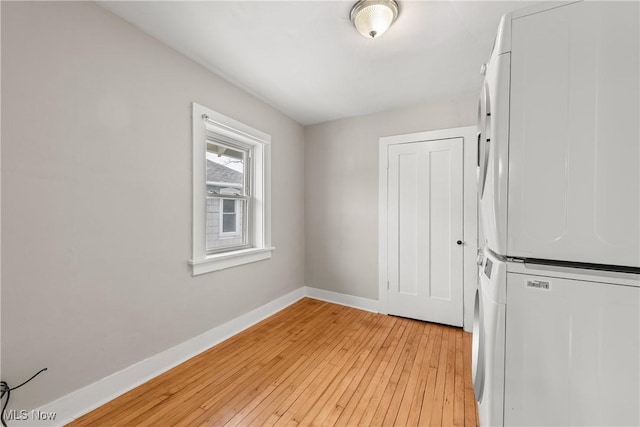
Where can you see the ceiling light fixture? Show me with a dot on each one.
(373, 17)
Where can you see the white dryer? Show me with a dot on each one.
(558, 154)
(489, 340)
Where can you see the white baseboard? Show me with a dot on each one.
(78, 403)
(81, 401)
(343, 299)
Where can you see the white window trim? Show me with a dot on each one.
(204, 119)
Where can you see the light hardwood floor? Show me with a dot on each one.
(313, 363)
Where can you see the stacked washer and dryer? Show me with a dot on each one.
(556, 338)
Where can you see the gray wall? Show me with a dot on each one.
(96, 199)
(341, 190)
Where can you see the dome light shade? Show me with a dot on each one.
(373, 17)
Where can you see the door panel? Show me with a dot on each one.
(408, 223)
(424, 221)
(440, 262)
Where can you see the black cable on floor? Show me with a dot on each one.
(6, 390)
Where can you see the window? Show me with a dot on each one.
(228, 194)
(231, 223)
(230, 219)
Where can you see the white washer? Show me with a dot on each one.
(489, 340)
(573, 347)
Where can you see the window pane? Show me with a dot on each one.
(229, 223)
(226, 230)
(225, 169)
(229, 205)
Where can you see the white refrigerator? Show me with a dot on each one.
(559, 188)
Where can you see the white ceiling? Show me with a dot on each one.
(308, 61)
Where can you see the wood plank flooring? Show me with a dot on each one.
(314, 363)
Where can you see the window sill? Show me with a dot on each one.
(229, 259)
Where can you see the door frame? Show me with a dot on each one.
(469, 212)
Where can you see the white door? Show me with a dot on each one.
(424, 223)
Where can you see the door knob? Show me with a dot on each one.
(459, 242)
